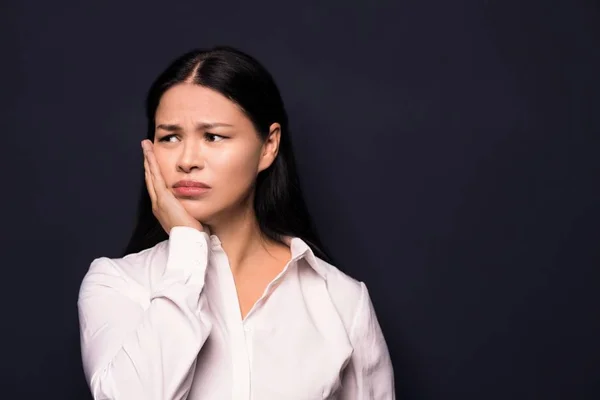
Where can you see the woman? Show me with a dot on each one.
(223, 292)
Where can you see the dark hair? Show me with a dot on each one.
(278, 202)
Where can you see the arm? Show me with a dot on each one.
(369, 374)
(141, 345)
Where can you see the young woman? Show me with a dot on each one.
(224, 291)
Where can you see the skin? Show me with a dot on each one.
(203, 136)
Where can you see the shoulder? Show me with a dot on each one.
(355, 307)
(347, 293)
(133, 269)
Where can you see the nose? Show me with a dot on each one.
(191, 157)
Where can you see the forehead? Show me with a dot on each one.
(184, 101)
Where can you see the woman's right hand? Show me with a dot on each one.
(166, 208)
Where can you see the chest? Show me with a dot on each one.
(250, 288)
(293, 346)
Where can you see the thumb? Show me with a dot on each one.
(205, 228)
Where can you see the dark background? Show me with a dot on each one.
(448, 151)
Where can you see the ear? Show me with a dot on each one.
(270, 147)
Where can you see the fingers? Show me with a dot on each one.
(168, 211)
(157, 179)
(149, 183)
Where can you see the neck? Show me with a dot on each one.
(241, 238)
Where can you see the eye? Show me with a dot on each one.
(168, 138)
(211, 137)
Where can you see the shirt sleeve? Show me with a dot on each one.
(141, 345)
(369, 374)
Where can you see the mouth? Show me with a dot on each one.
(190, 190)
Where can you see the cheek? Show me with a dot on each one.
(163, 160)
(235, 165)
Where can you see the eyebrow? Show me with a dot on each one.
(199, 127)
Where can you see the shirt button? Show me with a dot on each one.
(247, 329)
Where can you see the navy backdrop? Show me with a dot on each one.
(448, 151)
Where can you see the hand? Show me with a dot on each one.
(166, 208)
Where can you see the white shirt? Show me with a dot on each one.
(165, 324)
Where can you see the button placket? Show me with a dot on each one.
(248, 332)
(239, 347)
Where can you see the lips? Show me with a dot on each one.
(190, 188)
(191, 184)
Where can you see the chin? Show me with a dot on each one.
(208, 212)
(198, 212)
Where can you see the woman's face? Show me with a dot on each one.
(202, 136)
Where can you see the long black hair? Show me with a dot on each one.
(278, 202)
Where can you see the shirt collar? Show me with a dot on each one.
(301, 250)
(298, 247)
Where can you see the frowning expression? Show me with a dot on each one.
(204, 139)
